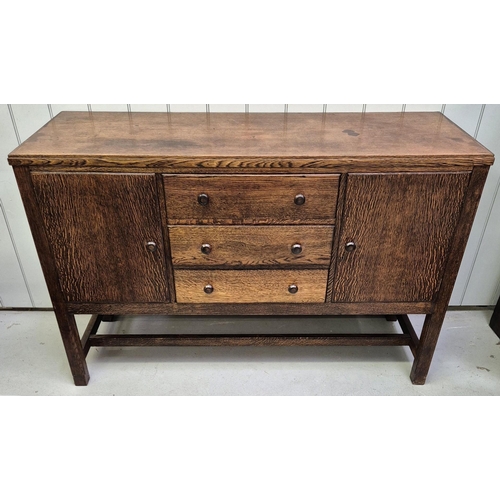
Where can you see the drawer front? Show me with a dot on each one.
(212, 246)
(251, 199)
(250, 286)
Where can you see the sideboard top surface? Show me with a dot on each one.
(129, 138)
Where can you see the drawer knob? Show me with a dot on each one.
(208, 289)
(206, 248)
(293, 288)
(300, 199)
(296, 248)
(151, 246)
(350, 247)
(203, 199)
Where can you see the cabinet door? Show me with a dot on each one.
(395, 235)
(99, 227)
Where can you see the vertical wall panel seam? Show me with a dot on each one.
(480, 119)
(14, 124)
(14, 246)
(480, 242)
(4, 213)
(51, 113)
(483, 231)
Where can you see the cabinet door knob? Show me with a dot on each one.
(296, 248)
(151, 246)
(206, 248)
(203, 199)
(300, 199)
(208, 289)
(293, 288)
(350, 247)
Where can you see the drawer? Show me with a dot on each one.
(249, 286)
(250, 245)
(251, 199)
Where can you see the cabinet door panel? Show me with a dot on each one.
(98, 226)
(402, 226)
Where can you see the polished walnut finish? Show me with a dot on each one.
(251, 285)
(250, 246)
(263, 141)
(100, 261)
(248, 214)
(236, 200)
(397, 230)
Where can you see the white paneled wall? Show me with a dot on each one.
(21, 279)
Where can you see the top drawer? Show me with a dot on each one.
(251, 199)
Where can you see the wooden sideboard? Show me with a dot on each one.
(250, 214)
(495, 319)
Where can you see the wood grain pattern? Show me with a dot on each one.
(256, 309)
(433, 322)
(402, 226)
(250, 286)
(336, 237)
(166, 240)
(242, 199)
(98, 226)
(376, 339)
(410, 187)
(250, 246)
(65, 320)
(257, 166)
(144, 138)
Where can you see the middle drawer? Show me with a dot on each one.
(248, 246)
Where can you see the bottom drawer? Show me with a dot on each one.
(251, 286)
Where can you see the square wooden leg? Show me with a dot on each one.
(427, 345)
(72, 345)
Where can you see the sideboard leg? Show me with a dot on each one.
(426, 347)
(495, 319)
(109, 318)
(72, 345)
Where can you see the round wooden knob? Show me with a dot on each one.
(208, 289)
(203, 199)
(300, 199)
(206, 248)
(350, 247)
(293, 288)
(296, 248)
(151, 246)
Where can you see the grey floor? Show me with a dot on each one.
(32, 359)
